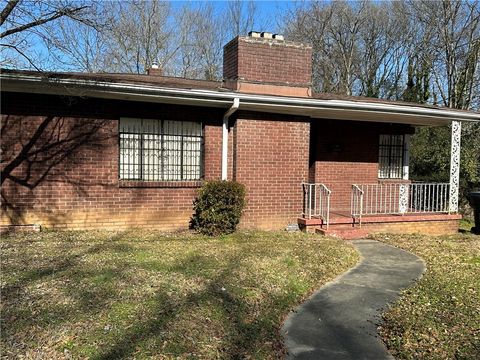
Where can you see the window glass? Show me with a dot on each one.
(160, 150)
(391, 156)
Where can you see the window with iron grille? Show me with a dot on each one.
(160, 150)
(391, 156)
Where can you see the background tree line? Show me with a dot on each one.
(415, 50)
(121, 36)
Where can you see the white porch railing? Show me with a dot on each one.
(399, 198)
(316, 202)
(357, 201)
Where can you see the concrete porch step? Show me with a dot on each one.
(346, 233)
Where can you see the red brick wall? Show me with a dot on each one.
(345, 153)
(70, 178)
(268, 153)
(267, 61)
(78, 187)
(271, 159)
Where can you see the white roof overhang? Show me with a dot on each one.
(315, 108)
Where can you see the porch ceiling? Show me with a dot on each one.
(357, 110)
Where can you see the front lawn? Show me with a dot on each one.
(139, 294)
(439, 317)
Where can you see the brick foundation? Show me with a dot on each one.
(448, 225)
(345, 227)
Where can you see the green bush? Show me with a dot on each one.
(218, 207)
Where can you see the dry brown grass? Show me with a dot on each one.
(139, 294)
(438, 318)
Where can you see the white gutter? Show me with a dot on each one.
(233, 108)
(316, 108)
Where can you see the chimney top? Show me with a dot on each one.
(265, 35)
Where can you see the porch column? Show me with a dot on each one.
(404, 190)
(454, 166)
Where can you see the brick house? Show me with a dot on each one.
(113, 151)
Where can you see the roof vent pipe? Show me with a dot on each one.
(155, 70)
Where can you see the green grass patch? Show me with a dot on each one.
(144, 294)
(466, 225)
(439, 317)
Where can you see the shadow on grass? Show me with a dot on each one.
(63, 265)
(246, 330)
(244, 336)
(17, 314)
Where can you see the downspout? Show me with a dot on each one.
(233, 108)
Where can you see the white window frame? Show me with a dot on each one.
(160, 150)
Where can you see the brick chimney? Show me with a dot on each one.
(264, 63)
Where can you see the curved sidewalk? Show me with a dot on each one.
(340, 320)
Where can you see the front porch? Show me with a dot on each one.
(402, 207)
(359, 183)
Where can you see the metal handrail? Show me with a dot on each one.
(316, 201)
(357, 203)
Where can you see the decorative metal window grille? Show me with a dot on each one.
(160, 150)
(391, 156)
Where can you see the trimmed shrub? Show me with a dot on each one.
(218, 207)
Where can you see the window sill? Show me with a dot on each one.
(159, 184)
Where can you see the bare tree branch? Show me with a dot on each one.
(22, 54)
(54, 16)
(7, 10)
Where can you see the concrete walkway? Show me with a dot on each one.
(340, 320)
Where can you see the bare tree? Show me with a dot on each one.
(203, 29)
(188, 57)
(457, 50)
(382, 50)
(25, 22)
(208, 33)
(79, 47)
(211, 49)
(240, 16)
(309, 23)
(444, 56)
(423, 51)
(139, 36)
(127, 36)
(333, 29)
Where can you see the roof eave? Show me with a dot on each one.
(314, 108)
